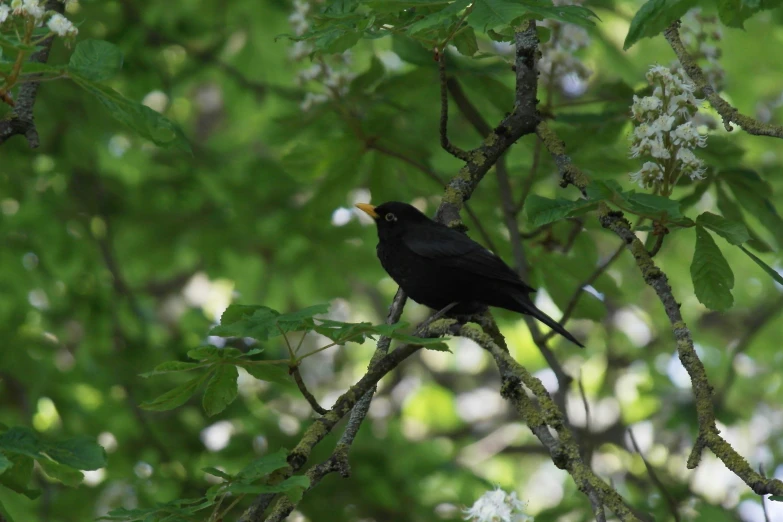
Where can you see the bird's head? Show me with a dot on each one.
(394, 217)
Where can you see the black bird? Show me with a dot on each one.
(437, 266)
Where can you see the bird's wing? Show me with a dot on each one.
(454, 249)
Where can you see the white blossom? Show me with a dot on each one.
(664, 131)
(648, 175)
(4, 11)
(31, 8)
(61, 26)
(558, 63)
(701, 33)
(497, 506)
(686, 135)
(311, 99)
(663, 123)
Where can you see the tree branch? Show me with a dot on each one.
(563, 450)
(309, 397)
(444, 112)
(654, 477)
(726, 110)
(709, 435)
(21, 120)
(322, 426)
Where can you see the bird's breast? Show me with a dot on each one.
(422, 279)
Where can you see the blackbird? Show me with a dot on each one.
(437, 266)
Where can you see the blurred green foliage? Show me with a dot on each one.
(118, 255)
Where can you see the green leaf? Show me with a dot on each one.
(263, 466)
(174, 366)
(145, 121)
(221, 389)
(711, 274)
(653, 205)
(217, 473)
(268, 372)
(299, 482)
(655, 16)
(79, 452)
(752, 193)
(337, 39)
(732, 231)
(95, 60)
(776, 498)
(432, 20)
(22, 441)
(32, 68)
(4, 513)
(768, 269)
(235, 312)
(264, 323)
(732, 211)
(365, 81)
(176, 397)
(5, 463)
(734, 13)
(18, 477)
(695, 196)
(15, 45)
(204, 353)
(491, 14)
(465, 41)
(65, 474)
(542, 211)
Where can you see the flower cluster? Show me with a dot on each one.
(558, 65)
(497, 506)
(333, 76)
(36, 10)
(701, 33)
(665, 131)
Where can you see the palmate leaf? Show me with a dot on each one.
(261, 322)
(494, 14)
(221, 389)
(78, 452)
(144, 121)
(774, 274)
(95, 60)
(176, 397)
(542, 211)
(655, 16)
(711, 274)
(732, 231)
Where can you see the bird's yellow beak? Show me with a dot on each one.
(368, 209)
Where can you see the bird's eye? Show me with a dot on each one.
(390, 217)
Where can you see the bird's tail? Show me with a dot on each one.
(530, 309)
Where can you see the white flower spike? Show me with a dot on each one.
(497, 506)
(61, 26)
(665, 131)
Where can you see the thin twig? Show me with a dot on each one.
(531, 177)
(726, 110)
(585, 402)
(658, 243)
(305, 392)
(654, 477)
(764, 500)
(444, 112)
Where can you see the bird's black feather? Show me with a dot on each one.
(436, 266)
